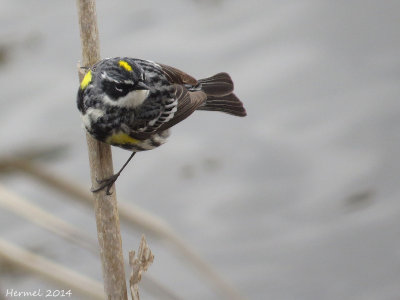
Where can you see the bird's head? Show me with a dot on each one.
(116, 82)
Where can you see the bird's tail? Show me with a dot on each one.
(220, 96)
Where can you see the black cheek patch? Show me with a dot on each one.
(79, 101)
(116, 90)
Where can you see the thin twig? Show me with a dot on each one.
(139, 264)
(101, 167)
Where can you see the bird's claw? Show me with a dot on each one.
(105, 183)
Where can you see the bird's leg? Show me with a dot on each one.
(108, 182)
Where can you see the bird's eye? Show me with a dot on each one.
(116, 90)
(119, 89)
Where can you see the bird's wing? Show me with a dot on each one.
(176, 76)
(188, 102)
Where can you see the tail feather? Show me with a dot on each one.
(220, 84)
(229, 104)
(220, 96)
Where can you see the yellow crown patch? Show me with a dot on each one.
(125, 65)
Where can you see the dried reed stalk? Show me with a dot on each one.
(46, 220)
(51, 271)
(135, 216)
(139, 264)
(100, 160)
(29, 211)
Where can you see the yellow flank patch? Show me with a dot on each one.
(121, 139)
(125, 65)
(86, 80)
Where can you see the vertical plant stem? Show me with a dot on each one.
(100, 161)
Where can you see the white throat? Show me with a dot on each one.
(130, 100)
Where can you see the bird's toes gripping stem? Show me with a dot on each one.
(106, 183)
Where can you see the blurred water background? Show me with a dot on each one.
(299, 200)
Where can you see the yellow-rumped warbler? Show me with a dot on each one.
(131, 103)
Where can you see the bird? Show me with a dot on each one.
(132, 103)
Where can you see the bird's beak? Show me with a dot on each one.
(142, 86)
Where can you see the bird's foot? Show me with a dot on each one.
(106, 183)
